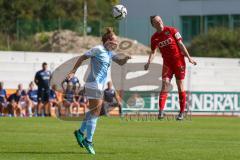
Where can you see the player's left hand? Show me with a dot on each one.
(128, 57)
(146, 66)
(123, 61)
(192, 61)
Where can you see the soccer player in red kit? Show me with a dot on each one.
(169, 42)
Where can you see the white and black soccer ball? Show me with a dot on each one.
(119, 12)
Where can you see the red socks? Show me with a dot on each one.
(182, 101)
(163, 97)
(162, 100)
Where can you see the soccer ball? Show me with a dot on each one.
(119, 12)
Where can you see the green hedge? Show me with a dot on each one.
(218, 42)
(8, 43)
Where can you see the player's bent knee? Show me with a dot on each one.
(95, 111)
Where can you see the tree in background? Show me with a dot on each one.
(20, 20)
(218, 42)
(33, 12)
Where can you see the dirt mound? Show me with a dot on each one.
(66, 41)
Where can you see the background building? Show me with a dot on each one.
(192, 17)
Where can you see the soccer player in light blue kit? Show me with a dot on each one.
(101, 58)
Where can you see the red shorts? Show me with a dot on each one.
(177, 67)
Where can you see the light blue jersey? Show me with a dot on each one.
(101, 60)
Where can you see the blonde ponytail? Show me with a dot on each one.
(109, 33)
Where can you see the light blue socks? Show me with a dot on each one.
(84, 122)
(89, 124)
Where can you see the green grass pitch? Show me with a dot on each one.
(48, 138)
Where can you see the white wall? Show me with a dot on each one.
(211, 74)
(20, 67)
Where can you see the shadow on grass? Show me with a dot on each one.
(51, 153)
(36, 152)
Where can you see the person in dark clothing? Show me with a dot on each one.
(111, 99)
(3, 99)
(32, 99)
(42, 80)
(14, 108)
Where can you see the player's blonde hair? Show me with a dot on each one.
(109, 33)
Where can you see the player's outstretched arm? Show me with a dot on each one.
(150, 59)
(77, 65)
(185, 52)
(121, 60)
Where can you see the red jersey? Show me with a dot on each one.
(166, 41)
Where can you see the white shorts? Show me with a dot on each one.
(94, 90)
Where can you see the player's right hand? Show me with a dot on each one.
(146, 66)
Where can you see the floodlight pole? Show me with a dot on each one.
(85, 19)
